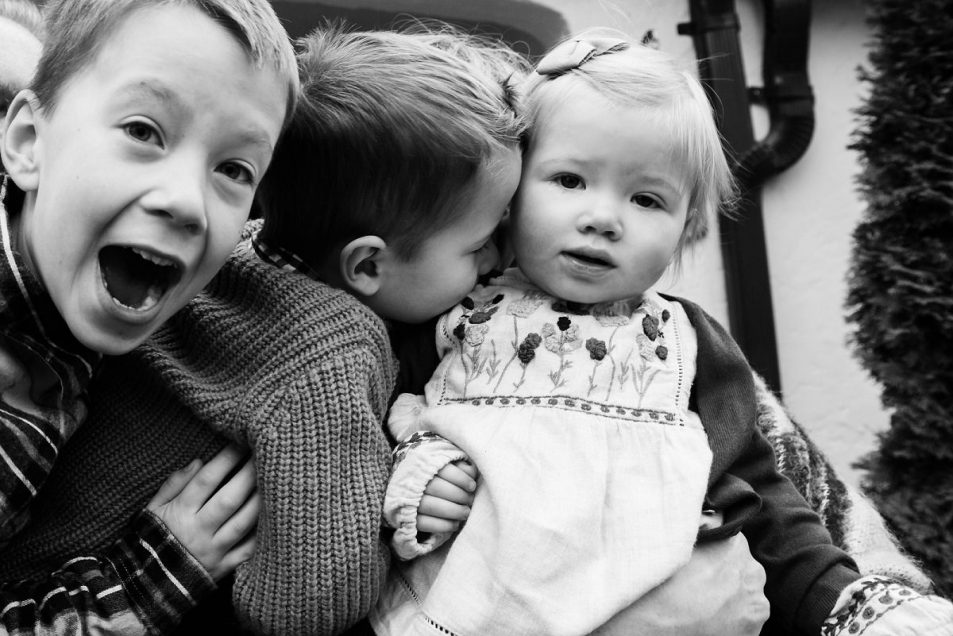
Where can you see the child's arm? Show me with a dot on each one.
(422, 460)
(323, 460)
(146, 581)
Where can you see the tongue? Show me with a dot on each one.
(128, 278)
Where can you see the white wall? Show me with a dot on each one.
(810, 211)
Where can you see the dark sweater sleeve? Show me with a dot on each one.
(805, 571)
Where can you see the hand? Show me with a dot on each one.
(213, 519)
(447, 498)
(719, 592)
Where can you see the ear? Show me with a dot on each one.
(18, 145)
(360, 264)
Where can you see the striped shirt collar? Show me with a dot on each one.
(282, 259)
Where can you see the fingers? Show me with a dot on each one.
(441, 509)
(426, 523)
(208, 479)
(231, 496)
(242, 522)
(174, 485)
(453, 483)
(239, 553)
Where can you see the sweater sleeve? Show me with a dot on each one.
(805, 570)
(143, 584)
(323, 462)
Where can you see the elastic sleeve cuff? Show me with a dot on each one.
(161, 578)
(417, 465)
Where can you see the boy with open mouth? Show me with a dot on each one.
(132, 161)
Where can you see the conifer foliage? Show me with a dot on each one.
(900, 297)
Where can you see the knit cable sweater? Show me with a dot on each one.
(298, 371)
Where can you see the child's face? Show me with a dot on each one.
(145, 173)
(602, 203)
(446, 267)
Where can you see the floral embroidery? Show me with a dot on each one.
(527, 348)
(499, 364)
(596, 348)
(532, 300)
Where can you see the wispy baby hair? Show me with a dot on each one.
(77, 29)
(631, 74)
(392, 127)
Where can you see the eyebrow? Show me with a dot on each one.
(157, 91)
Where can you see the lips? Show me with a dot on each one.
(594, 258)
(135, 278)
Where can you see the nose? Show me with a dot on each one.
(489, 258)
(179, 195)
(601, 217)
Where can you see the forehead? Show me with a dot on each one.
(584, 125)
(177, 56)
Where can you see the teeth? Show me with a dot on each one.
(153, 258)
(151, 299)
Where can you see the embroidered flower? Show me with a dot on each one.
(562, 337)
(650, 326)
(646, 348)
(527, 349)
(482, 315)
(530, 302)
(596, 348)
(460, 331)
(662, 352)
(476, 333)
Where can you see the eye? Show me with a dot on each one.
(143, 131)
(570, 181)
(237, 172)
(646, 201)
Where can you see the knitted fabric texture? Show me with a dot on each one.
(296, 370)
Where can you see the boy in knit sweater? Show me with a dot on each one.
(394, 172)
(131, 162)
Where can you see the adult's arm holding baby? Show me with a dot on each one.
(194, 532)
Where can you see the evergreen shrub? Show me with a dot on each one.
(900, 297)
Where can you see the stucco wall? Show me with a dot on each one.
(809, 211)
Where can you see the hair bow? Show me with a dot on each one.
(575, 52)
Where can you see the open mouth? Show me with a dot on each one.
(589, 259)
(135, 278)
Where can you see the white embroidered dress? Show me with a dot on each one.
(592, 468)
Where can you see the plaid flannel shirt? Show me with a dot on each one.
(280, 257)
(147, 580)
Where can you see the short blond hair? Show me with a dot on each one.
(77, 29)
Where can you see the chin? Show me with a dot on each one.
(111, 344)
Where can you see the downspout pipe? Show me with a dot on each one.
(714, 28)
